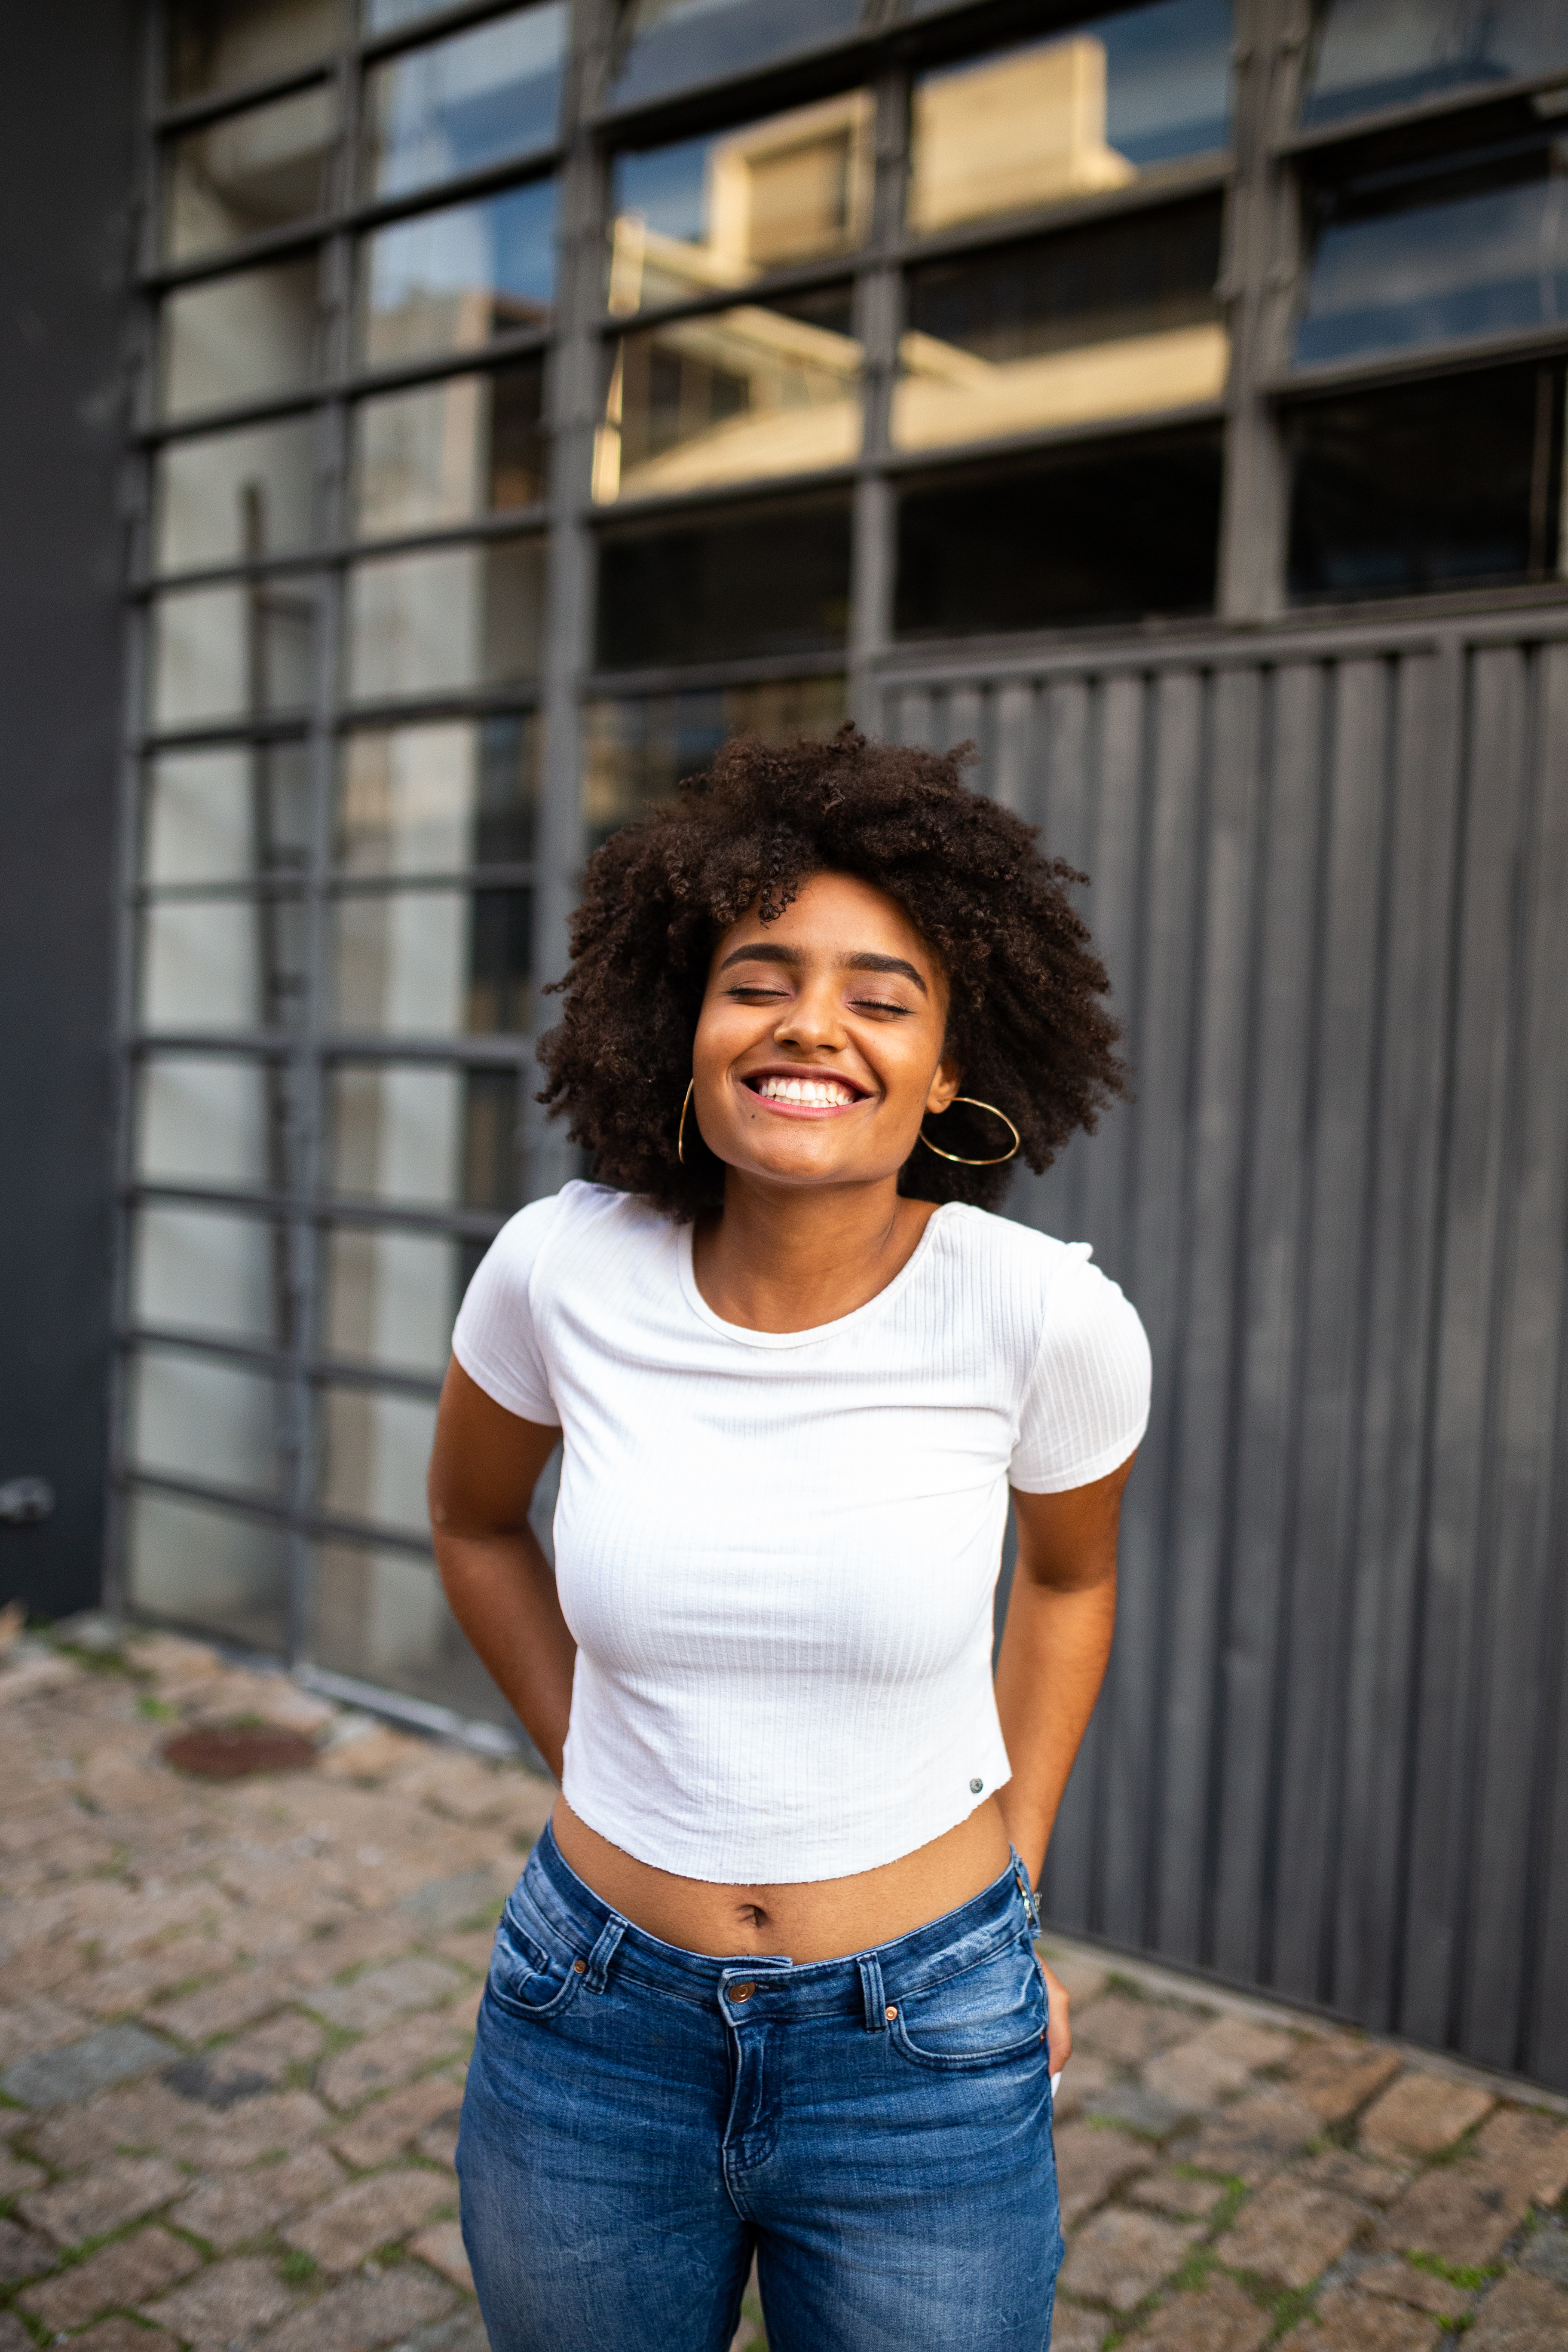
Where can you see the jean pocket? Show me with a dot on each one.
(534, 1970)
(991, 2014)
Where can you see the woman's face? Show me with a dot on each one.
(819, 1045)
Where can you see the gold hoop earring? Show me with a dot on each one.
(680, 1132)
(957, 1156)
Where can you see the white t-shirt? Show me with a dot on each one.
(777, 1551)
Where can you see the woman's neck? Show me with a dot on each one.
(786, 1259)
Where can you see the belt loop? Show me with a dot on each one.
(603, 1952)
(870, 1968)
(1031, 1909)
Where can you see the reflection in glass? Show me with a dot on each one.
(375, 1450)
(1378, 53)
(202, 1121)
(719, 211)
(1473, 245)
(202, 1270)
(211, 45)
(729, 396)
(474, 99)
(239, 338)
(1116, 533)
(1429, 486)
(209, 1568)
(390, 1297)
(452, 280)
(434, 799)
(380, 1615)
(227, 496)
(226, 815)
(638, 749)
(433, 963)
(229, 653)
(1098, 107)
(763, 581)
(194, 1416)
(211, 964)
(456, 618)
(421, 1136)
(248, 174)
(666, 44)
(1115, 320)
(471, 444)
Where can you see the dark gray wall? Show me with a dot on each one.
(1330, 878)
(65, 177)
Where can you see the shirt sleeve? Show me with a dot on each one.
(1087, 1403)
(496, 1339)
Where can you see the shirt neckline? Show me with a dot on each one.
(685, 1234)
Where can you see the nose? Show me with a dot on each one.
(813, 1021)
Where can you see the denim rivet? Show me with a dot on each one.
(580, 1968)
(742, 1992)
(891, 2011)
(975, 1787)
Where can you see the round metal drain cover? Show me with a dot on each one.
(217, 1751)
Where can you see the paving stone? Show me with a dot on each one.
(1127, 2031)
(1222, 2319)
(1221, 2058)
(128, 2272)
(1085, 2079)
(1531, 2147)
(1521, 2314)
(1170, 2191)
(93, 2203)
(120, 2336)
(1254, 2139)
(375, 2212)
(385, 2127)
(395, 1991)
(464, 2012)
(238, 2001)
(1425, 2112)
(471, 1950)
(440, 2143)
(275, 2121)
(1353, 2175)
(465, 2332)
(1464, 2213)
(444, 1904)
(228, 2211)
(1072, 2330)
(28, 2028)
(1288, 2232)
(251, 2062)
(142, 2119)
(1090, 2163)
(75, 2069)
(13, 2337)
(1401, 2282)
(1547, 2253)
(442, 2247)
(229, 2299)
(134, 1983)
(17, 2177)
(363, 2314)
(383, 2060)
(1130, 2104)
(1119, 2257)
(24, 2254)
(1335, 2076)
(1084, 1977)
(1347, 2322)
(352, 1943)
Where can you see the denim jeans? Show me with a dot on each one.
(640, 2119)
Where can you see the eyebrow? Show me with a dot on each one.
(776, 952)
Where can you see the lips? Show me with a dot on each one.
(810, 1091)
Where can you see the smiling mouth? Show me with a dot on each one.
(804, 1094)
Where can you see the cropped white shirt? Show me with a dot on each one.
(777, 1551)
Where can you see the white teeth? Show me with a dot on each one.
(825, 1094)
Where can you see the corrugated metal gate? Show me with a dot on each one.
(1330, 874)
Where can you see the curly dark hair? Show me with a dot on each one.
(1026, 1022)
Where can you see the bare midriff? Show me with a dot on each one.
(812, 1919)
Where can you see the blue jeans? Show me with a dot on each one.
(640, 2119)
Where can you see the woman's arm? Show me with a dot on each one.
(483, 1470)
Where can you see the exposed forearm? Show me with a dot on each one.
(1053, 1661)
(502, 1594)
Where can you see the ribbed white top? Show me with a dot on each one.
(777, 1551)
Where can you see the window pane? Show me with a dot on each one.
(1115, 320)
(433, 963)
(721, 210)
(451, 280)
(1431, 485)
(669, 43)
(729, 396)
(459, 104)
(774, 581)
(638, 749)
(1099, 108)
(382, 1617)
(1067, 541)
(203, 1121)
(232, 495)
(473, 444)
(432, 799)
(1377, 53)
(194, 1416)
(226, 815)
(375, 1450)
(216, 965)
(1469, 245)
(209, 1568)
(390, 1297)
(248, 174)
(200, 1270)
(229, 653)
(222, 44)
(460, 616)
(425, 1137)
(239, 338)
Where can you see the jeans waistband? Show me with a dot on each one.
(863, 1982)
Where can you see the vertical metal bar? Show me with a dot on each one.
(878, 319)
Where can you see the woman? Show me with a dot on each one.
(767, 1983)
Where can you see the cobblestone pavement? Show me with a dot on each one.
(233, 2019)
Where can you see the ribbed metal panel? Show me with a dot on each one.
(1330, 875)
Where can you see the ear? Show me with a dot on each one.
(945, 1085)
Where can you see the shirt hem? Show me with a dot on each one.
(1084, 1474)
(500, 1390)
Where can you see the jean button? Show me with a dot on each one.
(742, 1992)
(580, 1968)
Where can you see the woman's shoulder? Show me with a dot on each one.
(1016, 1253)
(564, 1221)
(1049, 1286)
